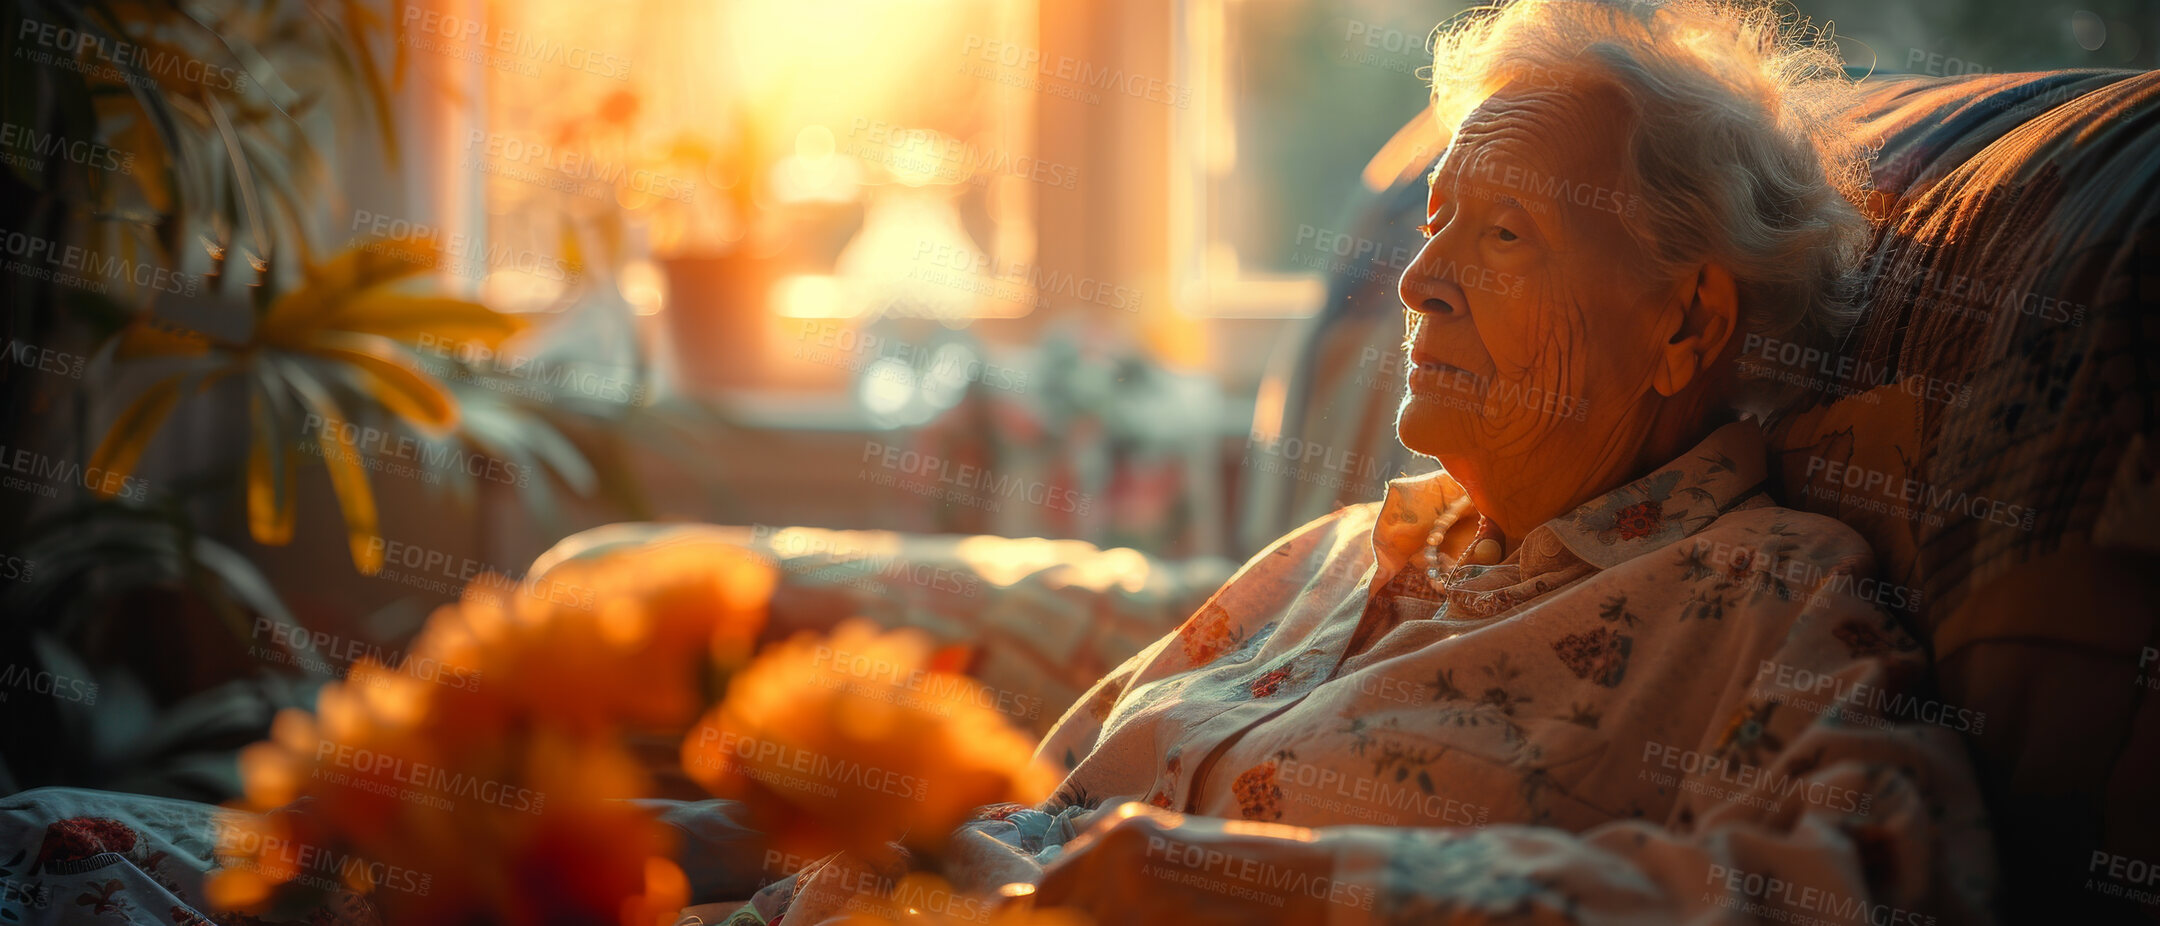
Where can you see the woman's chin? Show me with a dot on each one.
(1431, 425)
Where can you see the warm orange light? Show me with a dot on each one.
(812, 296)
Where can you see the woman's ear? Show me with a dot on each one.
(1713, 311)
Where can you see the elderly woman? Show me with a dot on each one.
(1590, 671)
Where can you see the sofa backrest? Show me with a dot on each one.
(1999, 452)
(1337, 392)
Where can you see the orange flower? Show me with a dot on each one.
(850, 742)
(477, 780)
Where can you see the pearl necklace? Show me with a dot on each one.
(1484, 550)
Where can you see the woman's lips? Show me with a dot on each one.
(1431, 377)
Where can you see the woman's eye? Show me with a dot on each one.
(1502, 232)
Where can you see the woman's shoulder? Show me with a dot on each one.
(1768, 529)
(1339, 539)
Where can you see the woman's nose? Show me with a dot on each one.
(1429, 293)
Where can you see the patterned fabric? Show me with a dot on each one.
(70, 855)
(77, 856)
(1675, 684)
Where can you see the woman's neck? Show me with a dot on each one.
(1515, 506)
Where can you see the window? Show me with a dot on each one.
(1291, 99)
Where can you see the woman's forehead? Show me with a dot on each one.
(1569, 131)
(1555, 152)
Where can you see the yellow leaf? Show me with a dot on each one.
(130, 435)
(270, 490)
(439, 323)
(154, 339)
(138, 152)
(391, 378)
(348, 471)
(356, 499)
(327, 286)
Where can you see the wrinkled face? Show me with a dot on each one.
(1531, 332)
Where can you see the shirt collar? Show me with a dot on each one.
(1670, 503)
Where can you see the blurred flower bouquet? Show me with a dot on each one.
(480, 780)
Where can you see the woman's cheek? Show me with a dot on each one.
(1553, 383)
(1519, 299)
(1533, 337)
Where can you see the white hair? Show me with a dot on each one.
(1741, 150)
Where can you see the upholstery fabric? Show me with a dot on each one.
(2012, 332)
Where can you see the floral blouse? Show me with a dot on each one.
(1676, 703)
